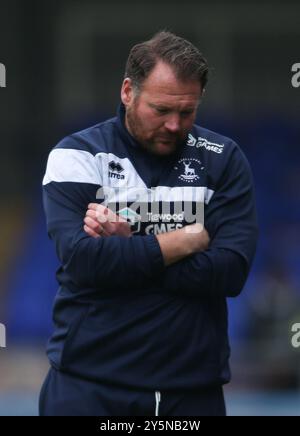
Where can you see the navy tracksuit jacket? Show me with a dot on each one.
(121, 317)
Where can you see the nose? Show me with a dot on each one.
(172, 124)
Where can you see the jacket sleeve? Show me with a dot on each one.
(70, 184)
(230, 219)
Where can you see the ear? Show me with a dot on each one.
(127, 92)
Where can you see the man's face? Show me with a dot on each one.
(161, 115)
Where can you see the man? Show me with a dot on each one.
(140, 315)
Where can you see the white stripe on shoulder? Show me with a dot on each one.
(69, 165)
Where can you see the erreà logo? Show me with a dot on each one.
(2, 336)
(2, 76)
(115, 169)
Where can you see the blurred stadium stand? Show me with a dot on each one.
(65, 63)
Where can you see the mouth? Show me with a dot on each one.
(168, 140)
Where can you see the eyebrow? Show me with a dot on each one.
(160, 106)
(164, 107)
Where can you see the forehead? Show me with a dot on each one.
(162, 85)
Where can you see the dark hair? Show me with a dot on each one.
(185, 59)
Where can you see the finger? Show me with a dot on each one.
(93, 224)
(104, 229)
(100, 232)
(102, 214)
(92, 214)
(98, 208)
(93, 206)
(90, 232)
(99, 218)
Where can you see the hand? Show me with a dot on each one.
(101, 221)
(183, 242)
(196, 237)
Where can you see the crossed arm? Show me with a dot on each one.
(187, 261)
(99, 221)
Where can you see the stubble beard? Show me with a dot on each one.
(134, 125)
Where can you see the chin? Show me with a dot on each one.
(160, 148)
(164, 149)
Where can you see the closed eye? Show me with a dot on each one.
(186, 113)
(162, 111)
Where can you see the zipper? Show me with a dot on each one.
(157, 401)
